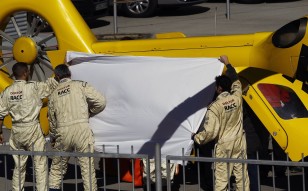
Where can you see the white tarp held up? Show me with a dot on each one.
(149, 99)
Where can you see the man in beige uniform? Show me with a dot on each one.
(23, 101)
(70, 106)
(224, 123)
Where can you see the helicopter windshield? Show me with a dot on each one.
(284, 101)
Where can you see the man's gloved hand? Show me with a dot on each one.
(193, 136)
(51, 140)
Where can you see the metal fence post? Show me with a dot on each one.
(61, 167)
(198, 167)
(90, 165)
(303, 171)
(133, 168)
(258, 172)
(33, 167)
(148, 173)
(104, 167)
(228, 9)
(215, 22)
(5, 173)
(183, 166)
(115, 15)
(273, 171)
(47, 169)
(76, 176)
(19, 169)
(119, 168)
(158, 177)
(168, 175)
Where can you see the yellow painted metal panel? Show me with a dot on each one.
(289, 133)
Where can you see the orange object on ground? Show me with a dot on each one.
(125, 169)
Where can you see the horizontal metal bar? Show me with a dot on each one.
(232, 160)
(73, 154)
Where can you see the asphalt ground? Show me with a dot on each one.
(206, 19)
(209, 19)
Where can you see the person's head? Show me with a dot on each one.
(223, 83)
(21, 71)
(62, 71)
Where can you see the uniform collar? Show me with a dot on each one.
(24, 81)
(65, 80)
(223, 94)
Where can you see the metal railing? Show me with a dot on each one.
(197, 161)
(272, 164)
(5, 154)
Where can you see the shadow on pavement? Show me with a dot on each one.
(181, 11)
(281, 182)
(95, 23)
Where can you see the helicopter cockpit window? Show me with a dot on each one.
(284, 101)
(290, 34)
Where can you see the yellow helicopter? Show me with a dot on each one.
(273, 66)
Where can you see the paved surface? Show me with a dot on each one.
(201, 20)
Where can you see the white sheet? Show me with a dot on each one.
(149, 100)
